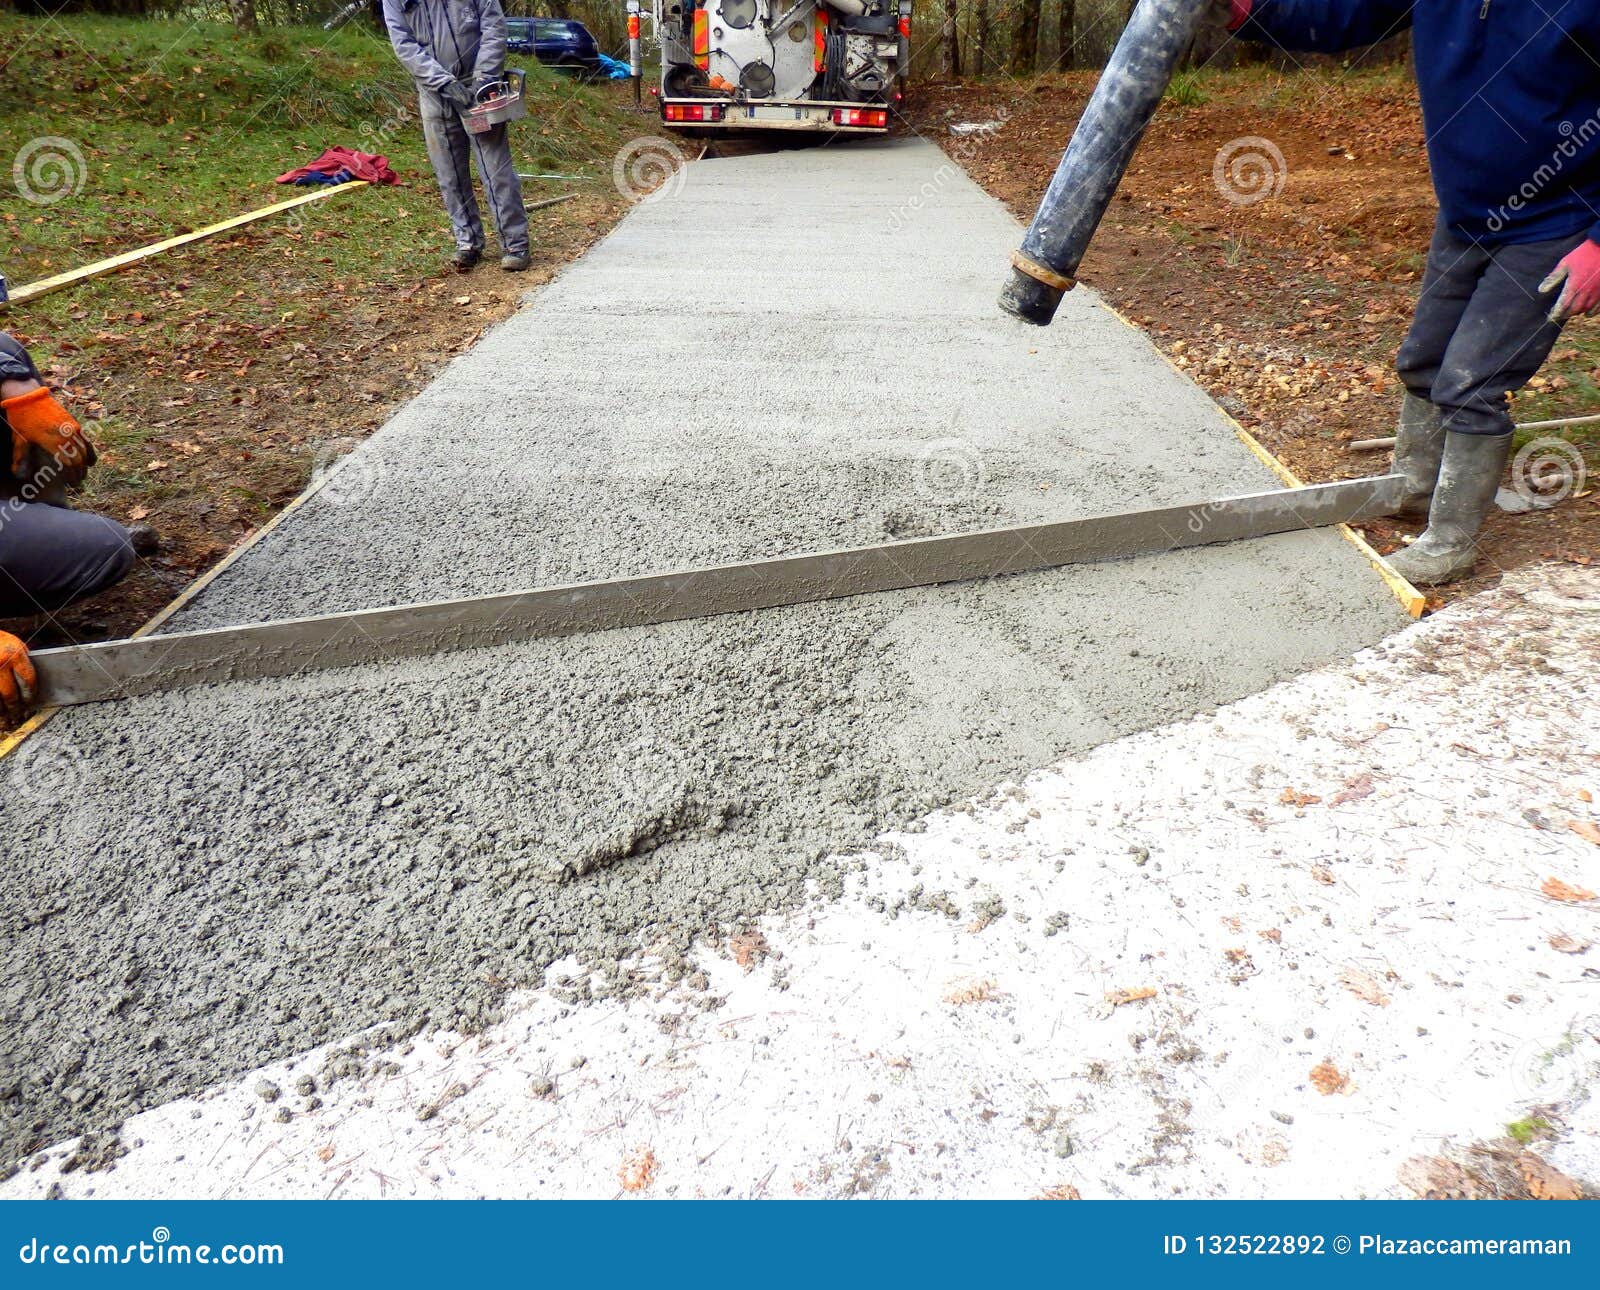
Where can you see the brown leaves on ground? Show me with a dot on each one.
(1328, 1079)
(1364, 987)
(1545, 1181)
(1565, 891)
(973, 992)
(749, 948)
(1322, 874)
(1494, 1171)
(1561, 943)
(1061, 1191)
(638, 1169)
(1134, 994)
(1292, 797)
(1588, 830)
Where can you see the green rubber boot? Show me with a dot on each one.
(1469, 473)
(1418, 447)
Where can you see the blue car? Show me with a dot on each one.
(559, 43)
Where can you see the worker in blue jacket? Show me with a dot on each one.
(453, 48)
(1511, 107)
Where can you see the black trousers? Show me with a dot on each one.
(1480, 329)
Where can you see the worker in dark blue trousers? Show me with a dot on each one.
(1511, 107)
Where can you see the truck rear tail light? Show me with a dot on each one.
(861, 116)
(694, 111)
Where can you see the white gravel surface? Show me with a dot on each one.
(1347, 871)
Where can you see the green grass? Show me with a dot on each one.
(169, 126)
(1185, 90)
(1528, 1129)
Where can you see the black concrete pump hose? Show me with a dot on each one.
(1155, 39)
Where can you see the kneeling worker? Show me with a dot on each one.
(1510, 103)
(50, 556)
(453, 48)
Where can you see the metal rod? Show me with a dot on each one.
(151, 664)
(1128, 93)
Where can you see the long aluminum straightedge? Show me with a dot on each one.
(149, 664)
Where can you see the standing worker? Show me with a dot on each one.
(453, 48)
(50, 556)
(1511, 107)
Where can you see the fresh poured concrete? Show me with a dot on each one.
(784, 352)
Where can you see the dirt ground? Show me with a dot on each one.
(1287, 309)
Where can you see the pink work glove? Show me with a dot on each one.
(1238, 13)
(1580, 271)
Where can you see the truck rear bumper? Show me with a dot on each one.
(773, 114)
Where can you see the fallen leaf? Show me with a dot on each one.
(1136, 994)
(1289, 797)
(1545, 1181)
(1558, 890)
(138, 513)
(1364, 987)
(1328, 1079)
(1588, 830)
(1272, 934)
(1322, 875)
(1561, 943)
(973, 992)
(1584, 795)
(638, 1170)
(325, 1154)
(749, 948)
(1061, 1191)
(1354, 790)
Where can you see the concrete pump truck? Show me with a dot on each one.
(836, 66)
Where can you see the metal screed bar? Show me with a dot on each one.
(150, 664)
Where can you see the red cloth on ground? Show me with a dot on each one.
(362, 165)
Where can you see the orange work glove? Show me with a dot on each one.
(36, 418)
(17, 677)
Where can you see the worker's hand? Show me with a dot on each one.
(1578, 276)
(460, 94)
(36, 418)
(18, 681)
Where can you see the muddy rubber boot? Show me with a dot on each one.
(515, 263)
(1418, 447)
(465, 260)
(1468, 477)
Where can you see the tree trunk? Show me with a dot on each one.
(979, 50)
(1025, 39)
(1069, 28)
(244, 16)
(950, 64)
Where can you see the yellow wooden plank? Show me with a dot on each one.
(1411, 600)
(44, 286)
